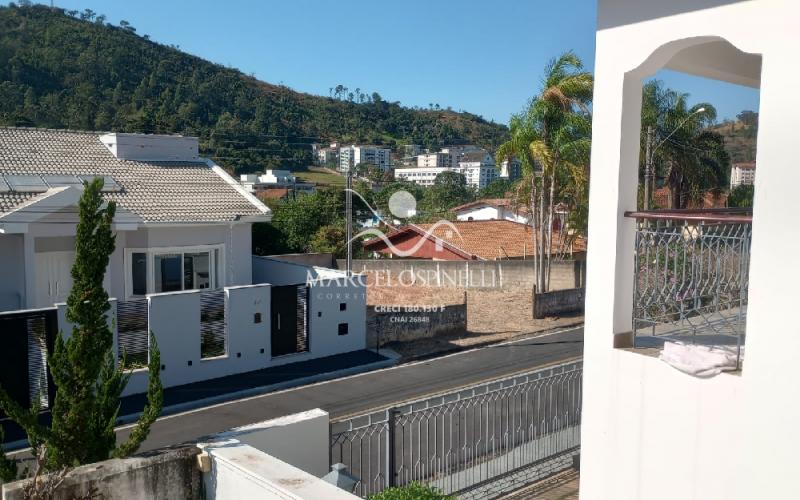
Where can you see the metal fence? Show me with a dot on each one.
(132, 334)
(464, 440)
(27, 337)
(212, 324)
(691, 274)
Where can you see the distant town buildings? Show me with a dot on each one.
(743, 174)
(476, 164)
(350, 156)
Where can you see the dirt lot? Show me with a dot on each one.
(493, 315)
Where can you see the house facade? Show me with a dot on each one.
(743, 174)
(182, 222)
(650, 430)
(491, 209)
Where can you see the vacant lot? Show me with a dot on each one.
(492, 314)
(321, 176)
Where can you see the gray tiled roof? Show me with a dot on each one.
(155, 191)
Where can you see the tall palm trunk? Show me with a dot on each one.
(549, 242)
(534, 234)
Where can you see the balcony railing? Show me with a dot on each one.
(691, 276)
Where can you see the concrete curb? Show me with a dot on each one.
(394, 359)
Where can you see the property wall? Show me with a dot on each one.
(12, 270)
(558, 302)
(650, 431)
(307, 259)
(476, 274)
(174, 319)
(240, 471)
(166, 473)
(386, 323)
(295, 439)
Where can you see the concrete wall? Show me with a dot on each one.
(650, 431)
(174, 319)
(475, 274)
(404, 323)
(307, 259)
(12, 270)
(240, 471)
(162, 474)
(558, 302)
(295, 439)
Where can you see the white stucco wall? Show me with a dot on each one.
(12, 270)
(648, 431)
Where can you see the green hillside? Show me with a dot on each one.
(60, 71)
(740, 136)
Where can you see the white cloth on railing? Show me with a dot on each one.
(699, 360)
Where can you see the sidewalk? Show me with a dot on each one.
(563, 486)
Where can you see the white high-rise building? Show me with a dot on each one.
(350, 156)
(743, 174)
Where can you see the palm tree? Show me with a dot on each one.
(553, 135)
(689, 158)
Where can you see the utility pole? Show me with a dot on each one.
(348, 200)
(648, 168)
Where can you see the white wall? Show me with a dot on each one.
(174, 318)
(239, 471)
(295, 439)
(12, 270)
(649, 432)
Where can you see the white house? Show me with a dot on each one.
(182, 268)
(423, 176)
(492, 209)
(182, 223)
(273, 179)
(435, 160)
(649, 430)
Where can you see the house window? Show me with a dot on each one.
(343, 306)
(343, 328)
(157, 270)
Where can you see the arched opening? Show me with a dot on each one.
(696, 165)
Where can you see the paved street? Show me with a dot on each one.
(371, 390)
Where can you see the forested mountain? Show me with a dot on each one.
(67, 70)
(740, 136)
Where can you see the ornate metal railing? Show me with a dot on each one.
(691, 274)
(519, 429)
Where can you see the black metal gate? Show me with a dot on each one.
(289, 322)
(26, 338)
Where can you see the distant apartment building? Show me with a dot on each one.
(411, 150)
(350, 156)
(478, 167)
(743, 174)
(511, 169)
(457, 152)
(439, 160)
(327, 156)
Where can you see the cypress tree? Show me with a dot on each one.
(88, 381)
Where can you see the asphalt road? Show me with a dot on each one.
(372, 390)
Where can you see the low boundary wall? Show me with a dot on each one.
(404, 323)
(558, 302)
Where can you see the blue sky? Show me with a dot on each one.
(481, 56)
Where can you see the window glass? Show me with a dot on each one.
(139, 273)
(167, 272)
(196, 271)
